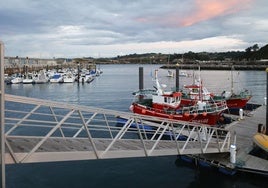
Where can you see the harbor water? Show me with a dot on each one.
(113, 90)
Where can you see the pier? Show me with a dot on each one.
(245, 161)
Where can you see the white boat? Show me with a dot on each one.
(27, 81)
(98, 72)
(183, 73)
(86, 78)
(68, 78)
(16, 80)
(56, 78)
(170, 73)
(41, 78)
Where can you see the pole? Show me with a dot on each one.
(177, 78)
(2, 117)
(266, 132)
(141, 78)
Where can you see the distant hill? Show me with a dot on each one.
(262, 53)
(252, 53)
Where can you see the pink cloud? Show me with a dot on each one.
(207, 9)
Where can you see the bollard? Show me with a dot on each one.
(265, 101)
(241, 113)
(233, 154)
(260, 128)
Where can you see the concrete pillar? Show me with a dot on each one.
(177, 78)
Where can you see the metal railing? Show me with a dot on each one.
(41, 130)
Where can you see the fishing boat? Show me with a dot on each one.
(234, 101)
(168, 104)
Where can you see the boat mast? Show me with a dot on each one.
(200, 85)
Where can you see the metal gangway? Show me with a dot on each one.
(41, 131)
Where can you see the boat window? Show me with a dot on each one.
(195, 90)
(168, 100)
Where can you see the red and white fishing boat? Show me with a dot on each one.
(169, 104)
(197, 91)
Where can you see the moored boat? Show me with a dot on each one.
(40, 78)
(56, 78)
(261, 140)
(86, 78)
(16, 80)
(168, 105)
(233, 100)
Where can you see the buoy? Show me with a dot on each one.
(195, 114)
(204, 114)
(143, 111)
(170, 116)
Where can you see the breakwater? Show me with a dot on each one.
(257, 67)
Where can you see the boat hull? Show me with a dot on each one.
(205, 118)
(237, 103)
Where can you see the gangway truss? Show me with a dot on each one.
(39, 130)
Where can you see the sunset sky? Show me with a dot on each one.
(83, 28)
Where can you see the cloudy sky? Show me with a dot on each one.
(107, 28)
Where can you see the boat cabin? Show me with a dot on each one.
(195, 92)
(167, 100)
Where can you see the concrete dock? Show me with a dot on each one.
(246, 160)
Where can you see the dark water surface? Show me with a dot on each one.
(112, 90)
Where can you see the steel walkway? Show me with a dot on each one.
(40, 131)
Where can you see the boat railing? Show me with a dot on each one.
(208, 108)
